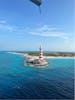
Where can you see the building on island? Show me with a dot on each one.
(37, 61)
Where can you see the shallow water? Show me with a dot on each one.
(17, 81)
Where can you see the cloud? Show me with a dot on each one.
(44, 31)
(6, 27)
(2, 21)
(48, 31)
(46, 28)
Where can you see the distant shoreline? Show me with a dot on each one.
(26, 55)
(15, 53)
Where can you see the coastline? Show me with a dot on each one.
(26, 55)
(60, 57)
(16, 53)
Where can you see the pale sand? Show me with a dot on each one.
(48, 57)
(16, 53)
(60, 57)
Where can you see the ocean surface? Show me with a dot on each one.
(17, 81)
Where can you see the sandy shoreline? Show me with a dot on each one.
(45, 57)
(60, 57)
(15, 53)
(48, 57)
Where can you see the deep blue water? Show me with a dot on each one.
(22, 82)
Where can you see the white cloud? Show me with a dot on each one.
(6, 27)
(44, 31)
(46, 28)
(47, 31)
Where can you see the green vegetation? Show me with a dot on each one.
(53, 54)
(56, 54)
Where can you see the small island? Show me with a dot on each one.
(39, 61)
(34, 58)
(39, 58)
(47, 54)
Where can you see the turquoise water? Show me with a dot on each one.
(23, 82)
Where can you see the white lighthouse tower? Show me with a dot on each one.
(41, 54)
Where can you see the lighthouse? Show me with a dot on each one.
(41, 54)
(39, 62)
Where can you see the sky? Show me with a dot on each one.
(23, 27)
